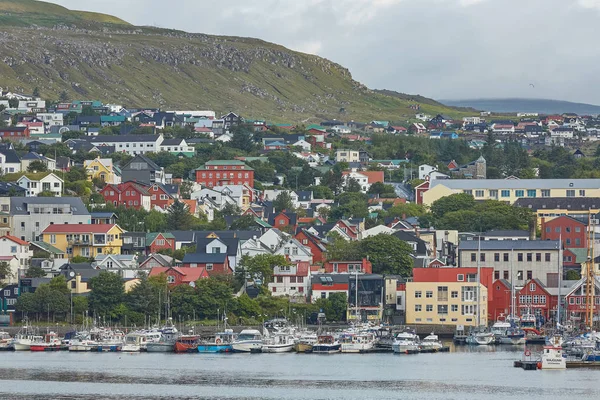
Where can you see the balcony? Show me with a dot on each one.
(79, 242)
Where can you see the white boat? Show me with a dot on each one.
(82, 345)
(357, 342)
(480, 338)
(134, 342)
(430, 343)
(405, 342)
(513, 336)
(500, 327)
(552, 357)
(278, 343)
(5, 340)
(248, 341)
(22, 340)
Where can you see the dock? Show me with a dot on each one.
(526, 365)
(583, 364)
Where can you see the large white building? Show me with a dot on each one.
(36, 185)
(131, 144)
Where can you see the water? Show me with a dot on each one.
(479, 373)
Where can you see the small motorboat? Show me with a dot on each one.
(248, 341)
(326, 344)
(187, 344)
(430, 343)
(221, 343)
(50, 342)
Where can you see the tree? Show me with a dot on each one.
(352, 185)
(259, 268)
(46, 193)
(283, 201)
(388, 254)
(321, 192)
(35, 271)
(184, 301)
(338, 306)
(243, 223)
(454, 202)
(186, 189)
(63, 97)
(13, 103)
(36, 92)
(155, 221)
(178, 216)
(37, 166)
(573, 275)
(80, 259)
(381, 188)
(231, 209)
(242, 138)
(143, 297)
(213, 294)
(59, 284)
(80, 306)
(107, 292)
(5, 272)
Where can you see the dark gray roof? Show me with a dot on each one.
(204, 258)
(137, 158)
(18, 205)
(563, 203)
(7, 188)
(122, 138)
(231, 243)
(171, 142)
(33, 156)
(103, 215)
(409, 237)
(242, 235)
(11, 156)
(331, 278)
(509, 245)
(304, 195)
(500, 233)
(183, 236)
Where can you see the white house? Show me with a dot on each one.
(51, 119)
(423, 117)
(254, 247)
(273, 239)
(219, 198)
(176, 146)
(291, 280)
(271, 195)
(32, 105)
(376, 230)
(562, 132)
(35, 184)
(425, 170)
(15, 247)
(125, 265)
(303, 144)
(362, 180)
(131, 144)
(9, 162)
(295, 251)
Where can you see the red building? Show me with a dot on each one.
(179, 275)
(571, 231)
(225, 172)
(420, 189)
(14, 132)
(160, 197)
(284, 219)
(214, 263)
(314, 243)
(533, 298)
(159, 241)
(348, 267)
(576, 301)
(499, 295)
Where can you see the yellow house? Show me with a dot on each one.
(510, 190)
(445, 303)
(86, 240)
(102, 169)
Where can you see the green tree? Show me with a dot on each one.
(59, 284)
(454, 202)
(243, 223)
(37, 166)
(26, 303)
(573, 275)
(178, 216)
(352, 185)
(184, 301)
(46, 193)
(213, 294)
(155, 221)
(143, 297)
(338, 306)
(259, 268)
(36, 92)
(5, 272)
(35, 271)
(321, 192)
(283, 201)
(381, 188)
(242, 138)
(107, 292)
(80, 307)
(388, 254)
(63, 97)
(80, 260)
(231, 209)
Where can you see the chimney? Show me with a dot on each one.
(417, 234)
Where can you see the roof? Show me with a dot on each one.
(570, 203)
(224, 162)
(122, 138)
(79, 228)
(409, 237)
(470, 184)
(172, 142)
(47, 248)
(187, 274)
(501, 233)
(18, 205)
(201, 258)
(15, 240)
(10, 156)
(99, 214)
(509, 245)
(231, 243)
(150, 237)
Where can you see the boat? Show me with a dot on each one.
(220, 343)
(552, 357)
(248, 341)
(50, 342)
(326, 344)
(480, 338)
(166, 342)
(405, 342)
(134, 342)
(500, 327)
(305, 343)
(513, 336)
(22, 340)
(5, 340)
(430, 343)
(187, 344)
(357, 342)
(280, 342)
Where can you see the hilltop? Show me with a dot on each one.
(542, 106)
(97, 56)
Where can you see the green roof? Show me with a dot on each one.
(47, 247)
(262, 223)
(112, 118)
(314, 126)
(580, 255)
(150, 237)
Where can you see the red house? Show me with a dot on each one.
(129, 194)
(14, 132)
(348, 267)
(576, 301)
(225, 172)
(571, 231)
(284, 219)
(349, 229)
(499, 299)
(314, 243)
(160, 197)
(534, 299)
(420, 189)
(159, 241)
(214, 263)
(179, 275)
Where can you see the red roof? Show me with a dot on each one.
(79, 228)
(398, 128)
(203, 129)
(188, 274)
(374, 176)
(16, 240)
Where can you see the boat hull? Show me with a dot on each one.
(215, 348)
(356, 347)
(326, 349)
(160, 347)
(108, 348)
(37, 347)
(247, 346)
(303, 347)
(21, 346)
(185, 347)
(282, 348)
(131, 348)
(402, 348)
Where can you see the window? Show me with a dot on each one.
(548, 229)
(519, 275)
(496, 257)
(547, 257)
(519, 256)
(7, 293)
(429, 294)
(494, 194)
(479, 193)
(324, 296)
(577, 229)
(571, 300)
(52, 239)
(532, 285)
(519, 193)
(442, 309)
(417, 308)
(545, 193)
(505, 193)
(429, 308)
(473, 257)
(442, 293)
(570, 193)
(577, 242)
(557, 229)
(568, 229)
(13, 249)
(454, 308)
(460, 277)
(170, 279)
(418, 294)
(568, 242)
(496, 275)
(582, 193)
(454, 294)
(531, 193)
(543, 299)
(482, 257)
(538, 257)
(529, 257)
(468, 293)
(468, 192)
(505, 257)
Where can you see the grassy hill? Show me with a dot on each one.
(96, 56)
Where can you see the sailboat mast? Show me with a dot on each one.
(590, 280)
(356, 298)
(559, 280)
(478, 279)
(512, 285)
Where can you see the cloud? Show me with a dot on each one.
(437, 48)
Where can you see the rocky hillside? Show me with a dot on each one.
(96, 56)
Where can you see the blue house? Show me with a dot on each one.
(443, 135)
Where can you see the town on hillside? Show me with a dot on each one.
(428, 221)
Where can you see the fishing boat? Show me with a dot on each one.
(220, 343)
(187, 344)
(430, 343)
(5, 340)
(480, 338)
(50, 342)
(166, 342)
(22, 340)
(357, 342)
(280, 342)
(134, 342)
(248, 341)
(552, 357)
(305, 343)
(405, 342)
(82, 343)
(513, 336)
(500, 327)
(326, 344)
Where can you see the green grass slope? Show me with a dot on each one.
(93, 56)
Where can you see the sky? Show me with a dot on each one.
(444, 49)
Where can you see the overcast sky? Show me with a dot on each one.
(445, 49)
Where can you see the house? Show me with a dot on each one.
(36, 183)
(214, 244)
(364, 178)
(230, 120)
(324, 285)
(365, 298)
(253, 247)
(103, 170)
(448, 296)
(31, 215)
(217, 198)
(225, 172)
(9, 295)
(9, 161)
(294, 251)
(499, 299)
(99, 217)
(30, 157)
(156, 260)
(212, 263)
(527, 259)
(14, 132)
(177, 147)
(273, 239)
(417, 128)
(160, 196)
(128, 194)
(548, 208)
(180, 275)
(284, 220)
(14, 247)
(562, 132)
(534, 298)
(314, 243)
(572, 232)
(78, 276)
(130, 144)
(576, 299)
(503, 129)
(143, 170)
(443, 135)
(363, 266)
(125, 265)
(159, 241)
(86, 240)
(347, 156)
(291, 280)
